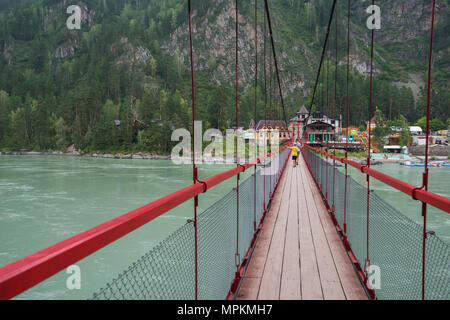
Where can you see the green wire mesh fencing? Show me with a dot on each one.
(167, 272)
(395, 241)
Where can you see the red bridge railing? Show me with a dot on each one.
(27, 272)
(385, 237)
(416, 193)
(249, 203)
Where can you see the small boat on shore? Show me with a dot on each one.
(422, 165)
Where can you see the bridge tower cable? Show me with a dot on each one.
(425, 174)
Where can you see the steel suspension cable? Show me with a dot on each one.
(194, 167)
(275, 58)
(321, 130)
(265, 105)
(367, 262)
(270, 90)
(335, 109)
(279, 106)
(347, 117)
(254, 116)
(270, 124)
(323, 53)
(319, 73)
(327, 64)
(237, 255)
(425, 174)
(323, 106)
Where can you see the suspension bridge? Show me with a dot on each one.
(285, 232)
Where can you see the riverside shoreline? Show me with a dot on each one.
(134, 156)
(148, 156)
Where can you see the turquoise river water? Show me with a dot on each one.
(46, 199)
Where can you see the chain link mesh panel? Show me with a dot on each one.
(357, 219)
(217, 247)
(161, 274)
(167, 272)
(395, 245)
(395, 241)
(437, 271)
(246, 216)
(339, 200)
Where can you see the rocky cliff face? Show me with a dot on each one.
(214, 43)
(408, 20)
(68, 48)
(401, 44)
(401, 41)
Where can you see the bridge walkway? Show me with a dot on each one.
(299, 254)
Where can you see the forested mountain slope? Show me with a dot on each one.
(130, 61)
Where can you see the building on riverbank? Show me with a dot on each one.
(319, 127)
(267, 130)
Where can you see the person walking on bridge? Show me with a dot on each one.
(298, 145)
(295, 152)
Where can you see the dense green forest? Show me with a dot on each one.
(122, 82)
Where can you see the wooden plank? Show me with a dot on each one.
(265, 237)
(299, 253)
(351, 285)
(271, 280)
(309, 273)
(290, 279)
(249, 288)
(251, 281)
(330, 281)
(350, 282)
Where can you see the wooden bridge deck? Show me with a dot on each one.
(299, 255)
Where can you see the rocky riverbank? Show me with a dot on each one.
(137, 156)
(434, 150)
(377, 162)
